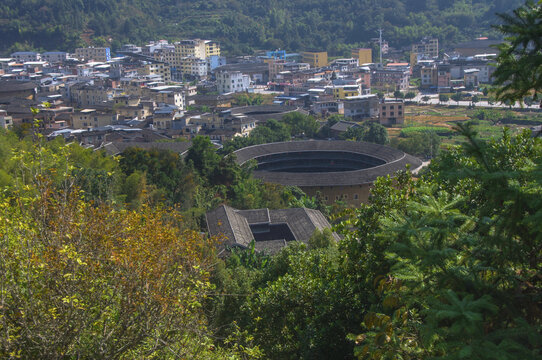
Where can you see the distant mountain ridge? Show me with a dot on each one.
(244, 25)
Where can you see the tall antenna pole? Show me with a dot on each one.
(380, 44)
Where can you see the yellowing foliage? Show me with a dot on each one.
(81, 280)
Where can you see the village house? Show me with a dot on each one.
(363, 55)
(85, 95)
(360, 107)
(6, 121)
(392, 112)
(100, 54)
(232, 82)
(315, 59)
(390, 78)
(426, 48)
(92, 118)
(24, 56)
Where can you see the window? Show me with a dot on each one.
(355, 196)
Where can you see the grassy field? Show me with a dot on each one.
(440, 118)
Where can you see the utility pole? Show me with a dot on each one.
(380, 44)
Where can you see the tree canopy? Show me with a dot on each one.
(243, 25)
(367, 131)
(445, 266)
(519, 70)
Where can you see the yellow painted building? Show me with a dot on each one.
(161, 69)
(165, 55)
(427, 48)
(344, 91)
(212, 48)
(364, 56)
(413, 59)
(189, 54)
(186, 48)
(315, 59)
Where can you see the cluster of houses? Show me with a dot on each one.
(170, 90)
(468, 66)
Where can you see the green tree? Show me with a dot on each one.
(271, 131)
(434, 303)
(423, 143)
(398, 94)
(520, 57)
(134, 188)
(301, 124)
(443, 98)
(457, 97)
(410, 95)
(325, 131)
(171, 179)
(202, 155)
(321, 239)
(368, 131)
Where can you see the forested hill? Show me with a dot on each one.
(242, 25)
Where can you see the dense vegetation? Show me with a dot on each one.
(243, 25)
(95, 264)
(445, 267)
(84, 276)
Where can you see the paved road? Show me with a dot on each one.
(435, 101)
(423, 165)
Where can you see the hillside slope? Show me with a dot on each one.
(242, 25)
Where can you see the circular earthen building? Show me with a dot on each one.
(339, 170)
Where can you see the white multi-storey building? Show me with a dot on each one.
(194, 66)
(232, 82)
(54, 57)
(25, 56)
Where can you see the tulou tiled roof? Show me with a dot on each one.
(394, 160)
(226, 222)
(13, 85)
(234, 226)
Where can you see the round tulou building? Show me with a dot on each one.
(339, 170)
